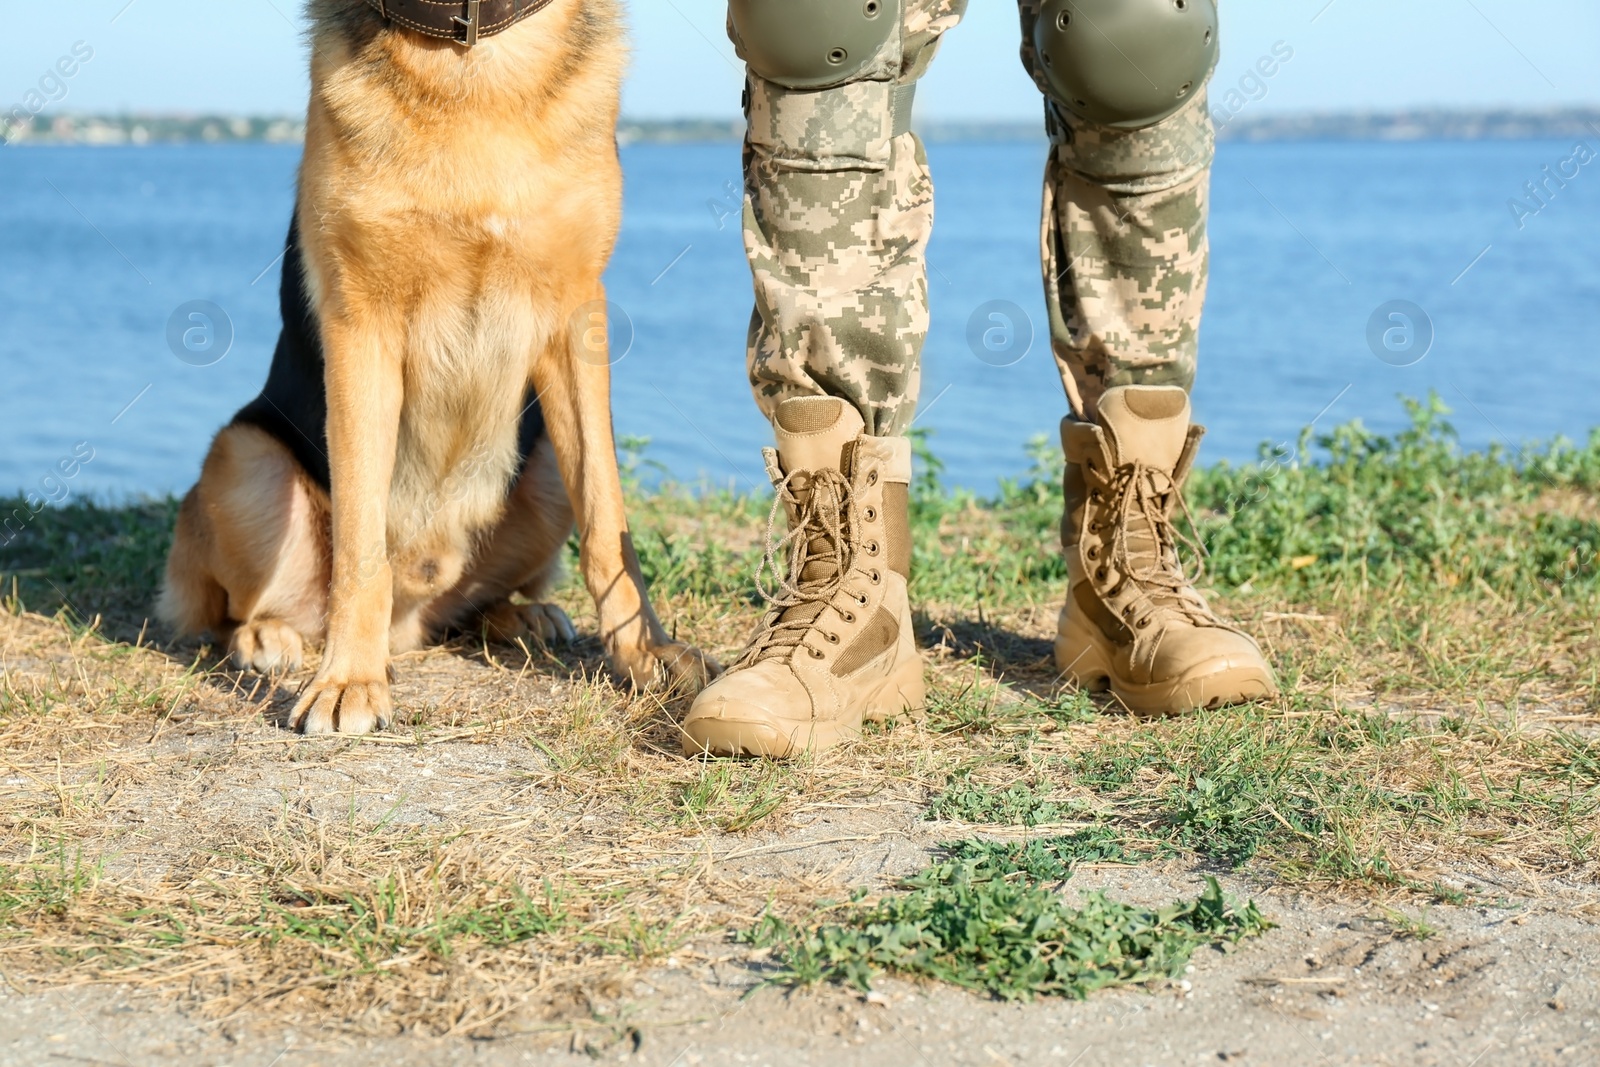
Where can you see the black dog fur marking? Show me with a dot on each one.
(293, 405)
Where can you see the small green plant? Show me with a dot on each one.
(632, 462)
(1407, 927)
(927, 488)
(45, 888)
(1067, 707)
(378, 924)
(1018, 805)
(1052, 858)
(1232, 785)
(965, 923)
(1231, 817)
(734, 796)
(1410, 506)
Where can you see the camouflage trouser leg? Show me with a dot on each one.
(1124, 247)
(837, 214)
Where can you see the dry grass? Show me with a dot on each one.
(527, 836)
(161, 830)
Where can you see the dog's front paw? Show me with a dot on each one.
(267, 646)
(676, 667)
(329, 706)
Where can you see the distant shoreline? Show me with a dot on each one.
(1416, 125)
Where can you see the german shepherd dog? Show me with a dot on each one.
(437, 410)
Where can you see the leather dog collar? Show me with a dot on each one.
(463, 21)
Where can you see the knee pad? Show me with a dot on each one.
(1126, 63)
(812, 44)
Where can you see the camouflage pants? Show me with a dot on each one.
(838, 210)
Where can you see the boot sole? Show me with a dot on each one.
(1083, 657)
(904, 689)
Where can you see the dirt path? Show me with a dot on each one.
(183, 786)
(1514, 985)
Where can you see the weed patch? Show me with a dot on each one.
(1332, 797)
(967, 924)
(734, 798)
(964, 800)
(1045, 859)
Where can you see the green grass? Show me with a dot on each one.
(1332, 798)
(1408, 926)
(87, 558)
(1053, 858)
(1413, 506)
(375, 926)
(43, 888)
(733, 798)
(351, 932)
(966, 923)
(1429, 610)
(1349, 506)
(1019, 804)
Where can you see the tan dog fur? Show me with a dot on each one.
(456, 210)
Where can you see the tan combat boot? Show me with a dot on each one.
(837, 645)
(1132, 621)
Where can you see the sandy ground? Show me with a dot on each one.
(1514, 985)
(1515, 980)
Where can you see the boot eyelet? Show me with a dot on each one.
(1095, 496)
(1127, 612)
(816, 653)
(871, 514)
(1117, 591)
(833, 639)
(1142, 623)
(877, 577)
(1100, 574)
(872, 548)
(847, 616)
(1094, 527)
(862, 600)
(872, 477)
(1094, 552)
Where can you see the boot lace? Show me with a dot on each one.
(1142, 495)
(818, 553)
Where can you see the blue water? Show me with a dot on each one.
(102, 244)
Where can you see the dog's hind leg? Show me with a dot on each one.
(249, 557)
(575, 393)
(192, 601)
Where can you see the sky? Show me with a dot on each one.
(248, 56)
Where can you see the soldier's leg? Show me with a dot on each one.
(1123, 243)
(1124, 257)
(838, 210)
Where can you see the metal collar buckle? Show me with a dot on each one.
(469, 24)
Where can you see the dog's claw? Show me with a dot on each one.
(544, 624)
(342, 708)
(549, 624)
(678, 668)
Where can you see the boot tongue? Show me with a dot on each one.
(812, 432)
(1148, 424)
